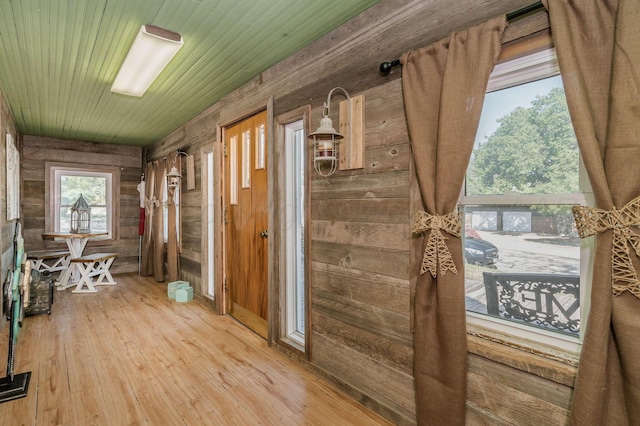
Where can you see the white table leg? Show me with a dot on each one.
(63, 280)
(105, 277)
(85, 279)
(71, 276)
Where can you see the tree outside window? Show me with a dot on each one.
(94, 191)
(95, 186)
(523, 177)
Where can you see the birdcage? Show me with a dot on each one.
(80, 216)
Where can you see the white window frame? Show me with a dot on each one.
(294, 155)
(523, 70)
(56, 172)
(209, 196)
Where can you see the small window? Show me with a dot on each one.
(525, 267)
(260, 147)
(233, 170)
(246, 159)
(96, 188)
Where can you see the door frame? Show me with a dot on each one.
(278, 323)
(223, 303)
(276, 248)
(217, 274)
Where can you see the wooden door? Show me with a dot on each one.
(246, 221)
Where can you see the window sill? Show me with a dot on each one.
(293, 346)
(554, 364)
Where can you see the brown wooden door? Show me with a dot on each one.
(246, 221)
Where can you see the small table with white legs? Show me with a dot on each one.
(76, 243)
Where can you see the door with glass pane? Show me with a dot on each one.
(246, 230)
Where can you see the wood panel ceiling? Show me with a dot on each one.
(58, 59)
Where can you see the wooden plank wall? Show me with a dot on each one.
(36, 151)
(7, 126)
(198, 133)
(360, 262)
(360, 244)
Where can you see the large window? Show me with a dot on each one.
(96, 187)
(525, 266)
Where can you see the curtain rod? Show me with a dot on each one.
(385, 67)
(521, 12)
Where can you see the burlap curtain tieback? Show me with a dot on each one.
(151, 202)
(436, 251)
(591, 221)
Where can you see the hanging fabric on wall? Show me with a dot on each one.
(141, 190)
(598, 46)
(173, 252)
(152, 258)
(444, 85)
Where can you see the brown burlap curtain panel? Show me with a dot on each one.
(444, 86)
(173, 256)
(598, 47)
(152, 240)
(152, 258)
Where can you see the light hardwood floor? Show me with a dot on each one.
(128, 355)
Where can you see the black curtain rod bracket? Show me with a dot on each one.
(385, 67)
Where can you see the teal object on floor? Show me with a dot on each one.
(184, 294)
(175, 285)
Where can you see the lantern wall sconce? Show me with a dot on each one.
(80, 217)
(174, 177)
(327, 158)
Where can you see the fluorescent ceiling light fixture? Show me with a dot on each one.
(151, 51)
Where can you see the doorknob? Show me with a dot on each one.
(264, 234)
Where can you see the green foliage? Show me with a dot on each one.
(533, 151)
(93, 189)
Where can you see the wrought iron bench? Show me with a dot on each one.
(550, 301)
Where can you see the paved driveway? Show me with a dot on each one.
(523, 252)
(528, 252)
